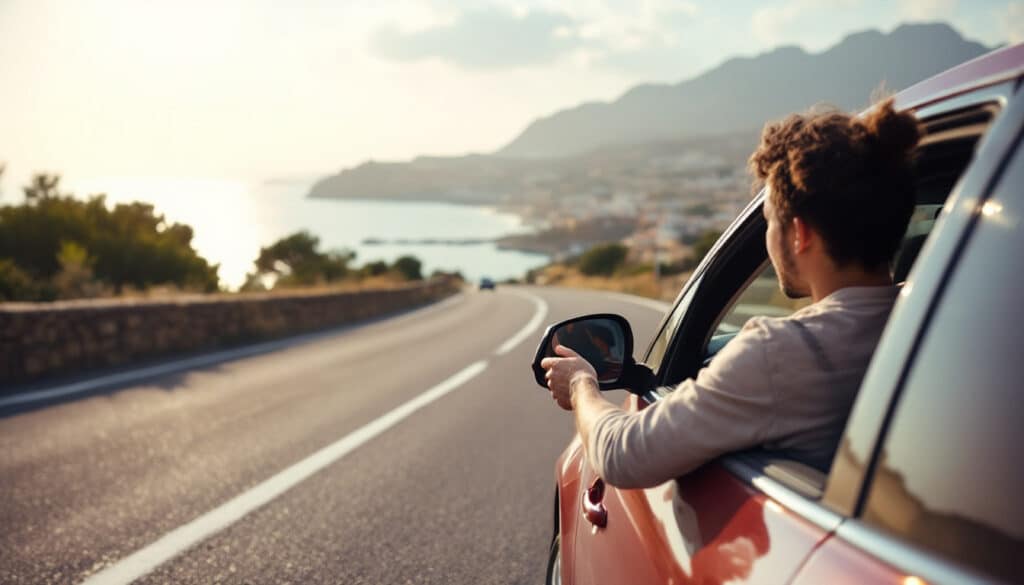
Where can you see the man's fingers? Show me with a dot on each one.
(549, 362)
(565, 351)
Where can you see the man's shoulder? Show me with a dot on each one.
(776, 336)
(766, 328)
(849, 304)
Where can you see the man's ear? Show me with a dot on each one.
(801, 236)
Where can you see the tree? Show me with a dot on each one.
(603, 259)
(409, 267)
(295, 260)
(43, 186)
(375, 268)
(130, 244)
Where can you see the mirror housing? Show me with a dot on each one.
(606, 341)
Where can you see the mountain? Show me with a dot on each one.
(743, 93)
(602, 146)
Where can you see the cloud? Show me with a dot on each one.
(928, 9)
(615, 35)
(775, 24)
(1013, 22)
(491, 38)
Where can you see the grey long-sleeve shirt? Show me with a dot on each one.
(782, 383)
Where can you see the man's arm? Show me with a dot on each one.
(729, 406)
(589, 406)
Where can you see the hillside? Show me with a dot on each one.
(744, 92)
(733, 99)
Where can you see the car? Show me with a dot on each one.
(487, 284)
(928, 483)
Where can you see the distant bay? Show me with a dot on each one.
(232, 220)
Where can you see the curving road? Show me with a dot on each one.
(415, 449)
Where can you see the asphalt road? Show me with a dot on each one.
(391, 486)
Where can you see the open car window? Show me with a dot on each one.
(761, 297)
(944, 155)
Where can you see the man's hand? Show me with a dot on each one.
(564, 373)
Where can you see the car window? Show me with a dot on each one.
(949, 477)
(944, 155)
(762, 297)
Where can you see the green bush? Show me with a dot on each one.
(296, 261)
(603, 259)
(17, 285)
(128, 245)
(375, 268)
(676, 267)
(409, 267)
(634, 269)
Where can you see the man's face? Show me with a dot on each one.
(780, 254)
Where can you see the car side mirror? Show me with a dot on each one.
(606, 341)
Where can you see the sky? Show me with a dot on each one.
(254, 89)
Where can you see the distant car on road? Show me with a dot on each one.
(487, 284)
(926, 485)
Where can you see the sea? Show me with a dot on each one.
(232, 220)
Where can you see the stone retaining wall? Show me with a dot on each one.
(42, 339)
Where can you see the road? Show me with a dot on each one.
(415, 449)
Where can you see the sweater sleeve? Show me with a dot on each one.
(728, 407)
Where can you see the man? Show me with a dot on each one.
(840, 194)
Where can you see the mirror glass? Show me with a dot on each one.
(599, 341)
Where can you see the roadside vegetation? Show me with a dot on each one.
(617, 267)
(55, 246)
(296, 261)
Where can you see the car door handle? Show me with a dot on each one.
(593, 509)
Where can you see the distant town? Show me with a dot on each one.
(654, 198)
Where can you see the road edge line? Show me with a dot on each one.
(652, 304)
(538, 317)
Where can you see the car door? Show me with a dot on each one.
(712, 525)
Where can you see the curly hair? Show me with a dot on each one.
(851, 178)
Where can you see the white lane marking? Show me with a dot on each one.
(196, 362)
(143, 561)
(660, 306)
(531, 325)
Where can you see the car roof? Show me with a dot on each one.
(988, 69)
